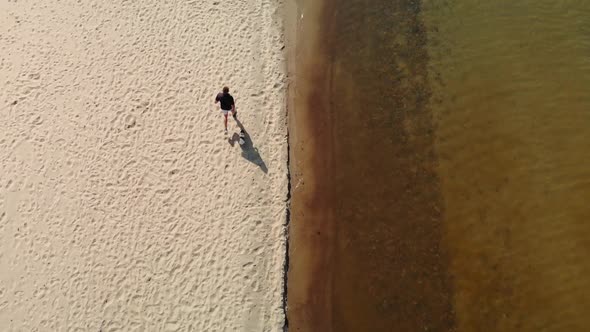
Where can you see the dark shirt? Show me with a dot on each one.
(226, 100)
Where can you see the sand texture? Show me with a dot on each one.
(123, 205)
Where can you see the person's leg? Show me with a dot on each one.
(225, 120)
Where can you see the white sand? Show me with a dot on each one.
(123, 207)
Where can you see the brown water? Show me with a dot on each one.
(440, 166)
(512, 109)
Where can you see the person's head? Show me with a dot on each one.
(225, 89)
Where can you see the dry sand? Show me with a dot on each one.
(123, 206)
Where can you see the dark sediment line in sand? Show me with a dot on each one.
(365, 233)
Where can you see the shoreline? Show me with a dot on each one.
(311, 225)
(365, 206)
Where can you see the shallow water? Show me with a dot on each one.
(442, 178)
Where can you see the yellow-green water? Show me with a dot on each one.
(441, 166)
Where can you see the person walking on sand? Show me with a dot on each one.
(227, 105)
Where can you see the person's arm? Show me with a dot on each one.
(233, 109)
(217, 98)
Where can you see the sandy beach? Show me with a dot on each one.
(124, 207)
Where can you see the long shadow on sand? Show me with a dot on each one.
(249, 152)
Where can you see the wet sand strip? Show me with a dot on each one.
(366, 210)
